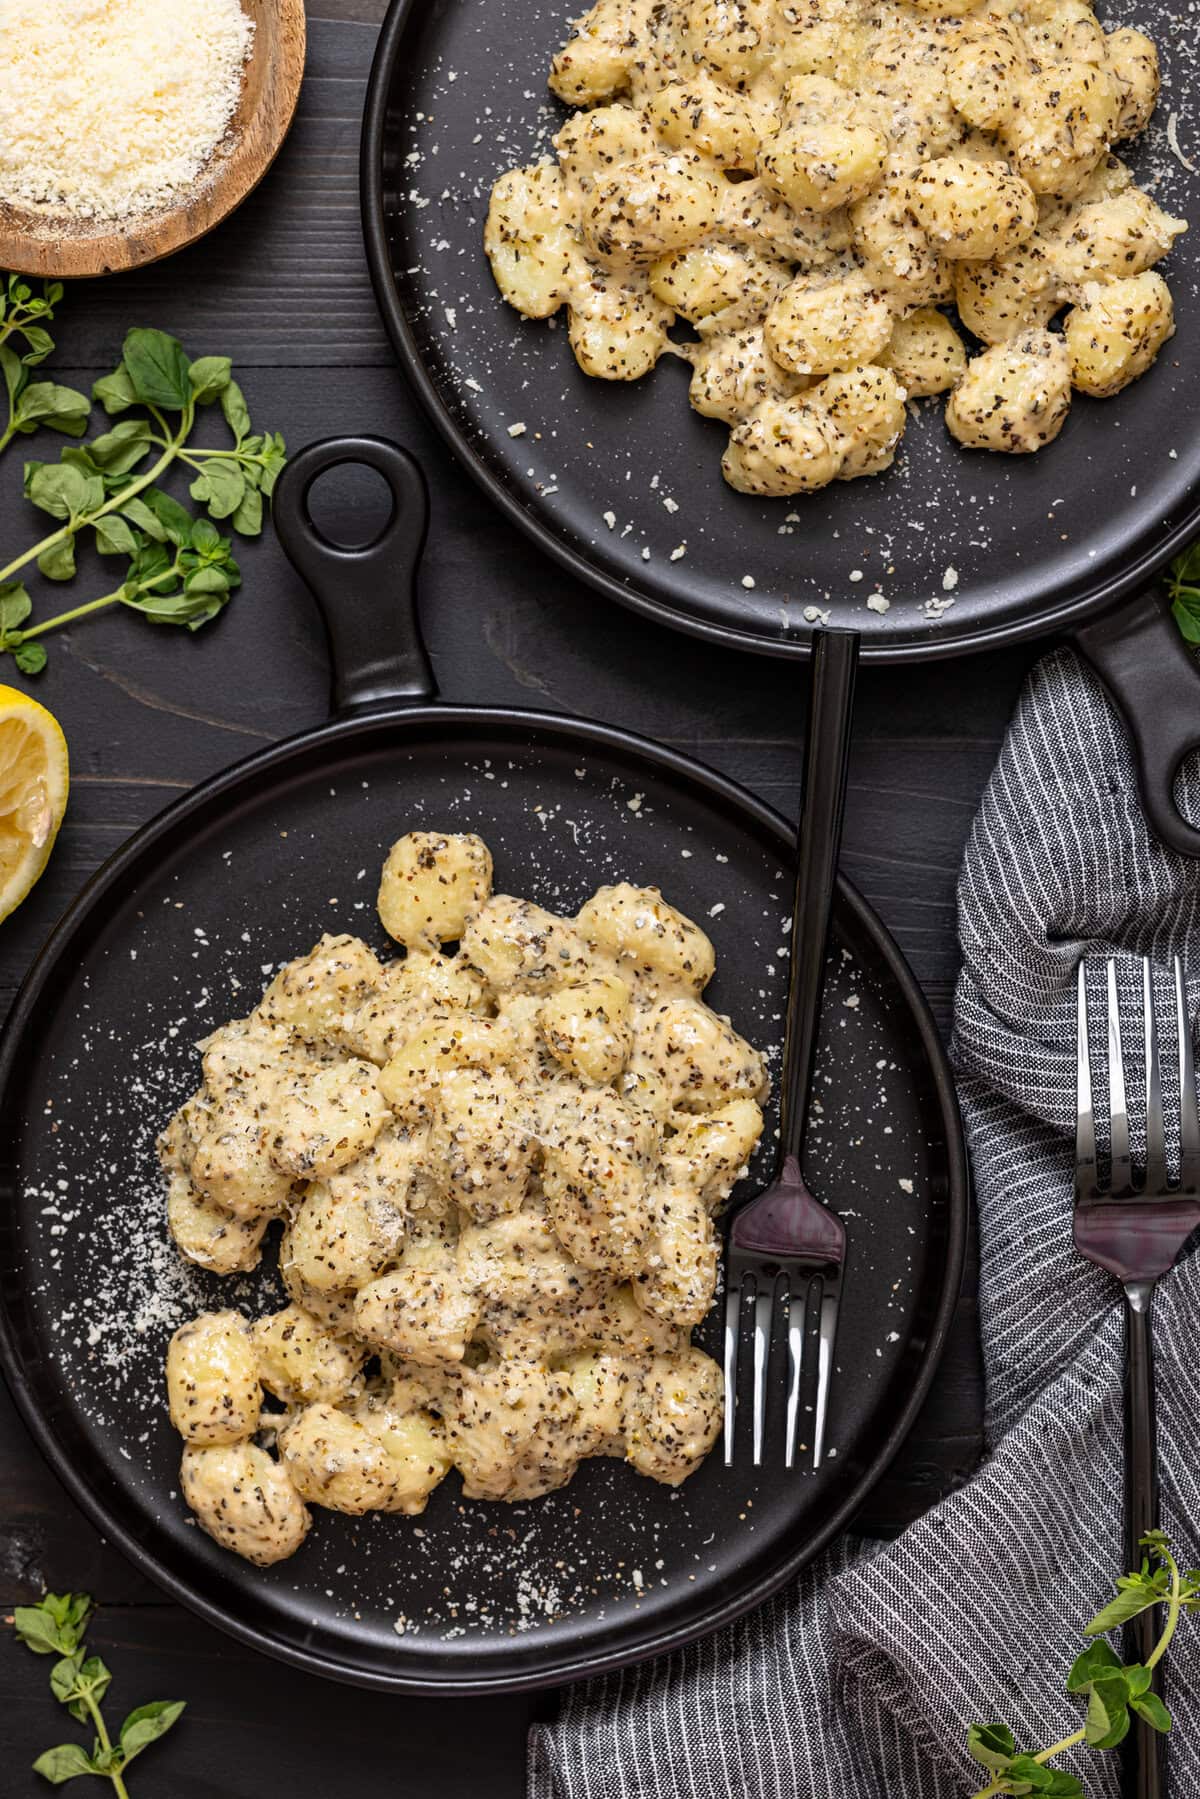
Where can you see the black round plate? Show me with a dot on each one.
(181, 930)
(611, 479)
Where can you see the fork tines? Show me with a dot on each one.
(783, 1247)
(1152, 1178)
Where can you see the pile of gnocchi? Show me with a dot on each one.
(495, 1161)
(811, 184)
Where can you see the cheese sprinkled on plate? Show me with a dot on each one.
(113, 107)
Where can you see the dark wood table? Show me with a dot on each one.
(282, 287)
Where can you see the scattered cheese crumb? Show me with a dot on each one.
(678, 552)
(1173, 140)
(950, 580)
(876, 602)
(517, 430)
(748, 581)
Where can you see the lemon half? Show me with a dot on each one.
(34, 782)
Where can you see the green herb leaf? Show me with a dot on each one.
(221, 487)
(60, 408)
(58, 562)
(275, 455)
(140, 514)
(1098, 1662)
(15, 607)
(1131, 1600)
(64, 1677)
(175, 521)
(207, 581)
(1150, 1707)
(68, 1609)
(158, 369)
(30, 658)
(78, 456)
(1064, 1786)
(248, 519)
(15, 373)
(115, 392)
(95, 1676)
(206, 539)
(190, 609)
(1107, 1721)
(153, 562)
(40, 344)
(149, 1722)
(122, 448)
(237, 413)
(35, 1626)
(62, 490)
(63, 1764)
(1025, 1775)
(209, 377)
(992, 1745)
(114, 537)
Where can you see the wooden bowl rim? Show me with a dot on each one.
(27, 246)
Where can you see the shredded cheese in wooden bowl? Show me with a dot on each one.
(130, 127)
(113, 107)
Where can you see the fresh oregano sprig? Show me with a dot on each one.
(1116, 1692)
(1183, 586)
(79, 1681)
(24, 316)
(180, 570)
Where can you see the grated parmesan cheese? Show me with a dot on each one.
(113, 107)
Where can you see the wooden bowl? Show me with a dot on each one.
(41, 241)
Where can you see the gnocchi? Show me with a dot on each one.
(496, 1161)
(805, 188)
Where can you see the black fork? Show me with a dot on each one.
(782, 1243)
(1134, 1227)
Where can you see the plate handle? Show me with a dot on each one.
(366, 596)
(1154, 683)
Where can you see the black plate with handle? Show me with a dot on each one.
(968, 549)
(180, 930)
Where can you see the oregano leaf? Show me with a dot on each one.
(992, 1745)
(158, 369)
(58, 562)
(1150, 1707)
(209, 376)
(235, 409)
(63, 1764)
(115, 392)
(149, 1722)
(15, 608)
(30, 658)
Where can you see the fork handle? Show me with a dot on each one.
(818, 842)
(1142, 1769)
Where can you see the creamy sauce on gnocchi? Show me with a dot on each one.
(812, 184)
(496, 1171)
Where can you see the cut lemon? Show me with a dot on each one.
(34, 782)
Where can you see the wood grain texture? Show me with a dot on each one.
(39, 242)
(254, 1731)
(148, 712)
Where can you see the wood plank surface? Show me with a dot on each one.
(282, 287)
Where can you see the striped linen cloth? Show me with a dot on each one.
(859, 1681)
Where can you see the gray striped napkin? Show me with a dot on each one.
(859, 1681)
